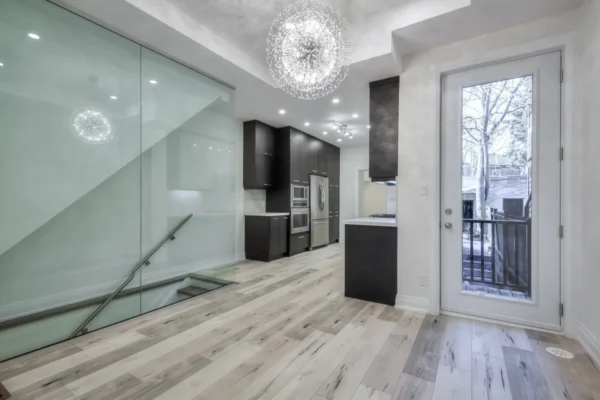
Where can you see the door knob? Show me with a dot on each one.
(448, 225)
(448, 211)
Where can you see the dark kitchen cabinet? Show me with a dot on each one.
(333, 166)
(334, 229)
(312, 158)
(259, 155)
(298, 157)
(266, 237)
(324, 154)
(299, 243)
(383, 135)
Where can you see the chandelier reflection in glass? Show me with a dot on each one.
(92, 126)
(308, 49)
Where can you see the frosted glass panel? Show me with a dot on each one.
(104, 148)
(189, 168)
(69, 167)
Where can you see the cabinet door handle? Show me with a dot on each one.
(267, 154)
(275, 218)
(314, 171)
(300, 237)
(268, 184)
(304, 182)
(296, 181)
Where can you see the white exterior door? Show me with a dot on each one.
(501, 191)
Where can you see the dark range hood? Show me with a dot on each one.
(383, 135)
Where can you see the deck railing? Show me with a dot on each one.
(497, 252)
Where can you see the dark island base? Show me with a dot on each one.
(372, 263)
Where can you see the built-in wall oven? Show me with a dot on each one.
(300, 196)
(300, 220)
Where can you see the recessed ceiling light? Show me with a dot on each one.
(210, 148)
(33, 36)
(354, 115)
(350, 137)
(282, 111)
(114, 97)
(194, 145)
(368, 126)
(324, 132)
(1, 64)
(339, 140)
(307, 124)
(347, 133)
(218, 149)
(335, 100)
(153, 82)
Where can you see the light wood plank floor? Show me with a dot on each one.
(287, 332)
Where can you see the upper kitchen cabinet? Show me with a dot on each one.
(259, 155)
(383, 137)
(333, 164)
(298, 157)
(312, 158)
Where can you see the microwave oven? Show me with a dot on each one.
(300, 196)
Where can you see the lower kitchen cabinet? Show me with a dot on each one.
(334, 228)
(299, 243)
(266, 237)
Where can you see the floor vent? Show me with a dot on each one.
(559, 353)
(4, 393)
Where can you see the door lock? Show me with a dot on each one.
(448, 225)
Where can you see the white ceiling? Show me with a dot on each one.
(226, 39)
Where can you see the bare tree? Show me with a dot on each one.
(488, 111)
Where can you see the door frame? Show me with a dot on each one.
(565, 43)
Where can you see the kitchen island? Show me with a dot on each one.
(372, 259)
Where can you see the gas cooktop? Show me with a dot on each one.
(382, 215)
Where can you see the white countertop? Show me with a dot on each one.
(372, 222)
(267, 215)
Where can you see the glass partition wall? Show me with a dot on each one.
(105, 149)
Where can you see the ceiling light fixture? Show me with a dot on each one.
(368, 126)
(34, 36)
(341, 128)
(307, 124)
(324, 132)
(282, 111)
(308, 49)
(153, 82)
(335, 100)
(114, 97)
(340, 139)
(1, 64)
(354, 115)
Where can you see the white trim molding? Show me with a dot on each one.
(411, 303)
(590, 343)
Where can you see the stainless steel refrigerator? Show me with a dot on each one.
(319, 211)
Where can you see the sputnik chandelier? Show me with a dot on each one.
(92, 126)
(341, 129)
(308, 49)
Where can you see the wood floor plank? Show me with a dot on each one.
(191, 387)
(489, 378)
(50, 370)
(367, 393)
(384, 373)
(410, 387)
(162, 378)
(287, 332)
(280, 374)
(391, 314)
(425, 354)
(343, 382)
(306, 383)
(526, 378)
(239, 378)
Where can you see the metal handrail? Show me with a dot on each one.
(144, 261)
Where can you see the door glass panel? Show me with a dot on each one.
(497, 130)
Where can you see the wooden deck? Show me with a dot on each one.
(287, 332)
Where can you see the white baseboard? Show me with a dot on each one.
(590, 343)
(411, 303)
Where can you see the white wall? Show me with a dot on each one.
(588, 226)
(418, 216)
(352, 161)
